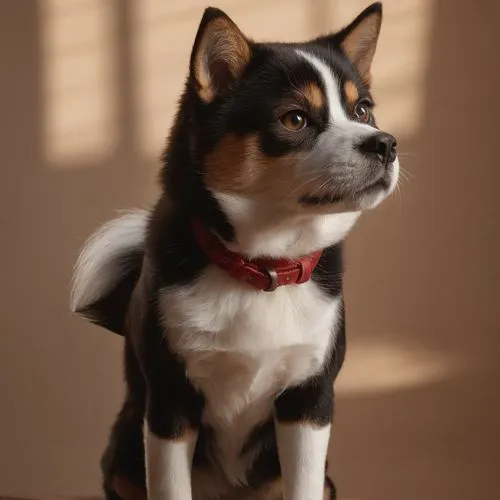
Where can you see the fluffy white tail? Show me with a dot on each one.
(107, 258)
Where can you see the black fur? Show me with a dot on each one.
(313, 400)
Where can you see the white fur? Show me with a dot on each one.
(302, 451)
(243, 346)
(268, 230)
(168, 466)
(100, 263)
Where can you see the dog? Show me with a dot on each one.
(228, 292)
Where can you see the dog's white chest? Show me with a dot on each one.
(243, 346)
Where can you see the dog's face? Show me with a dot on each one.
(291, 126)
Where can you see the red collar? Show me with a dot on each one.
(263, 274)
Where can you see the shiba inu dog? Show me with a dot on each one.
(229, 291)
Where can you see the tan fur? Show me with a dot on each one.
(359, 46)
(351, 92)
(237, 165)
(314, 95)
(222, 43)
(227, 169)
(188, 433)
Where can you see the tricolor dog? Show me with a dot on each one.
(229, 291)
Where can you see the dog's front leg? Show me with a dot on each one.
(172, 419)
(170, 439)
(168, 465)
(303, 421)
(172, 406)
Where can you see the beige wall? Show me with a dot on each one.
(87, 92)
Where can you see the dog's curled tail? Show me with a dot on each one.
(107, 270)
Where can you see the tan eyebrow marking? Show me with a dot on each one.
(314, 95)
(351, 92)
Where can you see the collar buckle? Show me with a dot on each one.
(273, 279)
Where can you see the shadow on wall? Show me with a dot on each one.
(86, 110)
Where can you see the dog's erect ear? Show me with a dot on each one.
(359, 39)
(220, 54)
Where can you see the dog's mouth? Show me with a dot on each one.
(320, 200)
(330, 198)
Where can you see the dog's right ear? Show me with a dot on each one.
(220, 54)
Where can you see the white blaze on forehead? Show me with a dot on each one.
(338, 143)
(338, 116)
(332, 86)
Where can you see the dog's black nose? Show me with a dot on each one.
(381, 146)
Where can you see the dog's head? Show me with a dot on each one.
(288, 126)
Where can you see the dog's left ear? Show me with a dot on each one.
(359, 39)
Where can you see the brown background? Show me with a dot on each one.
(87, 92)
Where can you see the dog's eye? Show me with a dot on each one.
(362, 111)
(294, 121)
